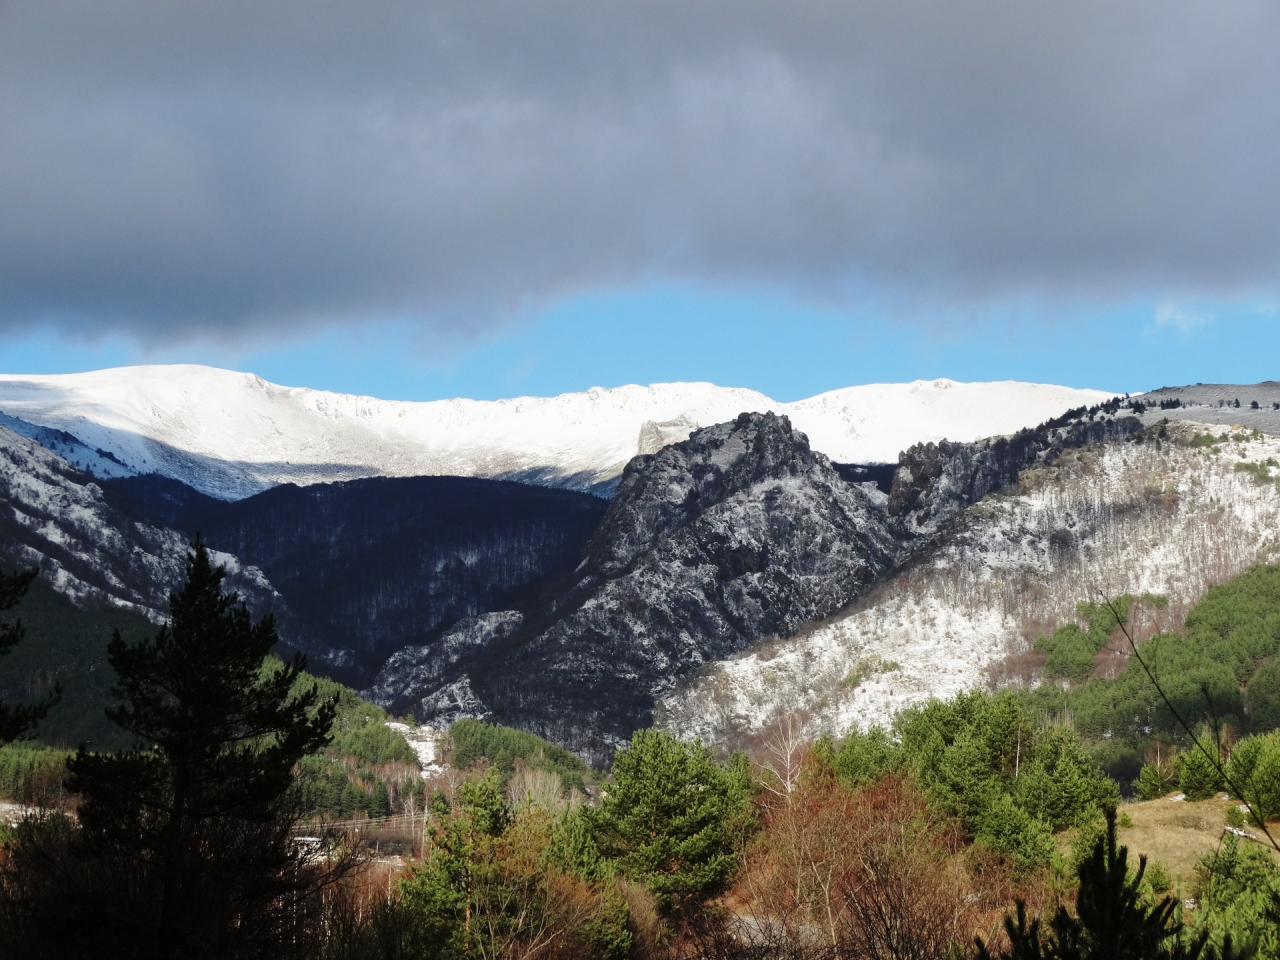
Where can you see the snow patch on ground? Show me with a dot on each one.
(427, 743)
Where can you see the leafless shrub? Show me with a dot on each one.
(780, 751)
(845, 873)
(543, 789)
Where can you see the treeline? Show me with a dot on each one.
(981, 827)
(1221, 679)
(471, 741)
(945, 840)
(367, 768)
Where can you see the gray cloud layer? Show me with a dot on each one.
(168, 164)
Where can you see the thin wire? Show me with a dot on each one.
(1259, 820)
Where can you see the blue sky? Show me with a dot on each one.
(427, 200)
(766, 342)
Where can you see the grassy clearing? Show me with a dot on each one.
(1177, 833)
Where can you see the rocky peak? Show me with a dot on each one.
(934, 483)
(654, 435)
(739, 534)
(660, 492)
(711, 545)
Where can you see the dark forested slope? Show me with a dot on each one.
(368, 566)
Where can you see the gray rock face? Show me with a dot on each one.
(738, 534)
(420, 668)
(453, 702)
(654, 435)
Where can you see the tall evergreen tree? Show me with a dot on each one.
(15, 721)
(1112, 921)
(202, 800)
(672, 816)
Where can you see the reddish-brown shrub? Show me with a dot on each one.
(868, 873)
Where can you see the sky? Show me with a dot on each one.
(488, 199)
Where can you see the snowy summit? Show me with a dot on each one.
(233, 434)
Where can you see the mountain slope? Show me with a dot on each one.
(737, 536)
(368, 566)
(709, 545)
(231, 434)
(1168, 515)
(57, 518)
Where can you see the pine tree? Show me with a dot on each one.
(1112, 921)
(16, 721)
(670, 818)
(201, 801)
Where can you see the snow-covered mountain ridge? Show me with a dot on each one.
(233, 434)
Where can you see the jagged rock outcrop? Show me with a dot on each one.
(420, 667)
(711, 545)
(737, 535)
(934, 483)
(654, 435)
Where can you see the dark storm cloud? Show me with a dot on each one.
(174, 165)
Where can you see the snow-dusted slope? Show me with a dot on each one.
(233, 434)
(1167, 518)
(55, 517)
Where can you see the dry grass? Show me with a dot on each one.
(1176, 833)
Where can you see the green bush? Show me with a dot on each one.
(1199, 778)
(1238, 886)
(1158, 877)
(863, 757)
(1001, 825)
(1071, 648)
(672, 817)
(1158, 780)
(1255, 769)
(1061, 785)
(982, 760)
(475, 740)
(1114, 917)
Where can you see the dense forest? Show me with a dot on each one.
(986, 825)
(369, 566)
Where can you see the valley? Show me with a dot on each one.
(813, 647)
(735, 574)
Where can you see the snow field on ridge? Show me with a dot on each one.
(1129, 518)
(233, 434)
